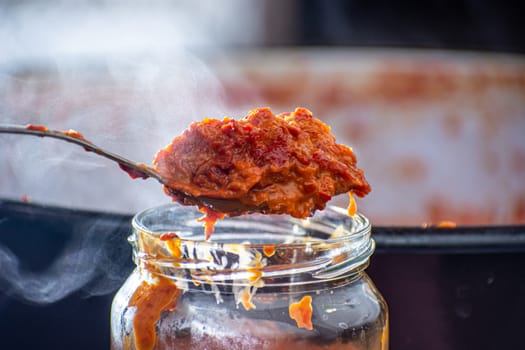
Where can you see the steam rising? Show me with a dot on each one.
(129, 76)
(93, 260)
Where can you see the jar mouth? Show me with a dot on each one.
(251, 249)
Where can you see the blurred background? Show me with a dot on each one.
(430, 95)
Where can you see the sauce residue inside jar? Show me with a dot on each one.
(269, 250)
(151, 300)
(301, 312)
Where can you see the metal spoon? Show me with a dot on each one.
(134, 169)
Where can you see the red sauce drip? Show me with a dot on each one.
(151, 300)
(36, 127)
(133, 173)
(167, 236)
(209, 219)
(75, 134)
(269, 250)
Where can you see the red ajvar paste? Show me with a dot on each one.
(272, 164)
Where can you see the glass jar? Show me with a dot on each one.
(260, 282)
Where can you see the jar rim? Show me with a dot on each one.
(325, 246)
(321, 221)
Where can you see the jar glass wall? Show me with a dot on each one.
(261, 282)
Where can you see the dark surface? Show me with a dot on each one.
(441, 296)
(44, 239)
(486, 25)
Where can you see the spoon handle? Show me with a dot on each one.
(134, 169)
